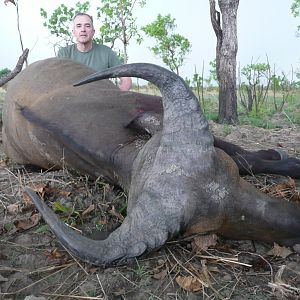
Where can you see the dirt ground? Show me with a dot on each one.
(33, 265)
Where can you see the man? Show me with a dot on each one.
(96, 56)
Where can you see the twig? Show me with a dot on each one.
(293, 125)
(34, 283)
(103, 291)
(78, 263)
(232, 260)
(72, 296)
(188, 271)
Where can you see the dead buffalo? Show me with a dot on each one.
(177, 181)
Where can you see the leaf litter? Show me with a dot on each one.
(32, 262)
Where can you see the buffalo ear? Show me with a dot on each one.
(146, 123)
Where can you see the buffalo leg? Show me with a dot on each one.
(262, 161)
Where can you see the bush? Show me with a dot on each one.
(4, 72)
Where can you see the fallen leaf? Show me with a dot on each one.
(3, 163)
(58, 207)
(38, 188)
(13, 209)
(27, 204)
(57, 191)
(161, 275)
(189, 283)
(203, 242)
(24, 224)
(55, 254)
(57, 257)
(280, 251)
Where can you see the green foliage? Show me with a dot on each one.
(282, 86)
(116, 16)
(59, 22)
(253, 91)
(227, 129)
(4, 72)
(73, 216)
(255, 72)
(171, 47)
(42, 229)
(295, 9)
(212, 115)
(118, 22)
(140, 271)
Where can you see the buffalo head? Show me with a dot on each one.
(180, 182)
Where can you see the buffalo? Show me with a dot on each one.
(178, 176)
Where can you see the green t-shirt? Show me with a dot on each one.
(100, 57)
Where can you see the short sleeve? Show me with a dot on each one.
(114, 60)
(62, 52)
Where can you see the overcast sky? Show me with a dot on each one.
(265, 27)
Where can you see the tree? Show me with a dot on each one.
(4, 72)
(118, 22)
(295, 9)
(254, 90)
(226, 51)
(171, 47)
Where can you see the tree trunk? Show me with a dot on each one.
(226, 51)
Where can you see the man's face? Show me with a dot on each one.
(83, 30)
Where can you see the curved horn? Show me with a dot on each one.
(121, 244)
(181, 107)
(148, 226)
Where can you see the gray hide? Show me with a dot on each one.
(178, 181)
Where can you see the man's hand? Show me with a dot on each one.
(125, 83)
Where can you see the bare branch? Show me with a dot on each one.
(16, 70)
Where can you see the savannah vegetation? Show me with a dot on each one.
(249, 94)
(261, 92)
(255, 92)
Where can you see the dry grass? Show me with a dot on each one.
(32, 262)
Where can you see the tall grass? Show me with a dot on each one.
(290, 110)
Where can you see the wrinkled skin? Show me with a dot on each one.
(177, 180)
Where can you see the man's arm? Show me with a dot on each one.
(125, 83)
